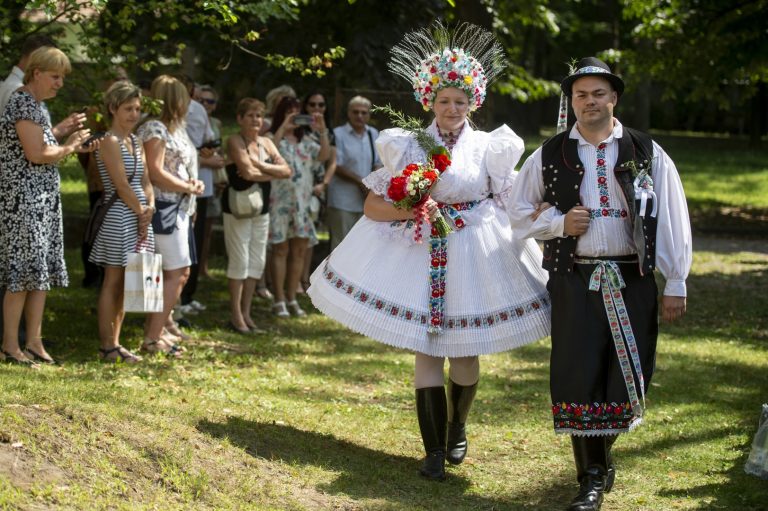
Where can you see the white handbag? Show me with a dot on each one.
(143, 287)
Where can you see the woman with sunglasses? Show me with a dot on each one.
(315, 103)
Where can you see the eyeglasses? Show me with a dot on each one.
(208, 101)
(360, 112)
(316, 104)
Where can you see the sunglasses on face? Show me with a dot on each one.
(314, 104)
(208, 101)
(360, 112)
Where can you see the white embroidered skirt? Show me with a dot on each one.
(377, 284)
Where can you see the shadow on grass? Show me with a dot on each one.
(365, 474)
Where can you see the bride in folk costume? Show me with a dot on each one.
(472, 292)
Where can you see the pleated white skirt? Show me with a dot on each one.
(495, 297)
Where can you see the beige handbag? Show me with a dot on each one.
(244, 197)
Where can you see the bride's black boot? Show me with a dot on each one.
(460, 399)
(431, 409)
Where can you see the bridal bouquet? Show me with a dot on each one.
(410, 190)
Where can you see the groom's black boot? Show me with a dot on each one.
(431, 409)
(460, 399)
(591, 471)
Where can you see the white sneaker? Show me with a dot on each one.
(197, 305)
(188, 310)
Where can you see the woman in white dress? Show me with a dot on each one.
(476, 291)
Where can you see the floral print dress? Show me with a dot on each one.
(31, 236)
(289, 215)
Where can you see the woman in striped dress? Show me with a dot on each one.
(127, 224)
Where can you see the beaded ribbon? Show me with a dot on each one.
(606, 278)
(438, 263)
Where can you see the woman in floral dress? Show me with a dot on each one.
(290, 223)
(31, 240)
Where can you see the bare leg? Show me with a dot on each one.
(279, 267)
(246, 301)
(235, 299)
(295, 268)
(173, 282)
(110, 307)
(13, 307)
(33, 314)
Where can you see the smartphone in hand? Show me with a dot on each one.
(94, 137)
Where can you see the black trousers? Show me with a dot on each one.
(196, 248)
(588, 388)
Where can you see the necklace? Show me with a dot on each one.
(450, 138)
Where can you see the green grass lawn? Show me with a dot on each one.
(311, 416)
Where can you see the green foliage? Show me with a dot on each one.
(111, 31)
(699, 49)
(412, 125)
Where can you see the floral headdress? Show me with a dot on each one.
(467, 57)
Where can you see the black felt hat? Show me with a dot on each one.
(592, 66)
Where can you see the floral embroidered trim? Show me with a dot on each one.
(608, 212)
(592, 417)
(602, 177)
(451, 322)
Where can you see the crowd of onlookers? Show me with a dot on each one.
(165, 180)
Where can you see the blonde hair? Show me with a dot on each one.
(46, 59)
(175, 100)
(119, 93)
(247, 104)
(275, 95)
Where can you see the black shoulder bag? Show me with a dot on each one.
(100, 209)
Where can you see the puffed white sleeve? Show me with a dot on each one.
(392, 147)
(501, 157)
(378, 181)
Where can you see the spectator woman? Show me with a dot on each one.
(171, 160)
(290, 224)
(257, 160)
(32, 241)
(126, 227)
(315, 103)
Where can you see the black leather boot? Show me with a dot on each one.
(432, 411)
(591, 471)
(611, 477)
(460, 399)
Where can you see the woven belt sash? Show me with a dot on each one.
(438, 262)
(606, 278)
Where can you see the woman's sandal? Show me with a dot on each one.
(296, 309)
(35, 356)
(280, 310)
(162, 346)
(10, 359)
(121, 355)
(178, 332)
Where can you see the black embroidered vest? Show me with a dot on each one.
(562, 171)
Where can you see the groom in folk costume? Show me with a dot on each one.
(609, 205)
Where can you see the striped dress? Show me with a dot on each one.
(119, 232)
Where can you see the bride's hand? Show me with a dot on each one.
(432, 209)
(540, 208)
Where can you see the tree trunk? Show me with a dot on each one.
(759, 113)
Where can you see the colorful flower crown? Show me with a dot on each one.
(467, 57)
(452, 68)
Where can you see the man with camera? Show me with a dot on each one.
(355, 159)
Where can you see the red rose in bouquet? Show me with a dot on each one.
(441, 162)
(411, 189)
